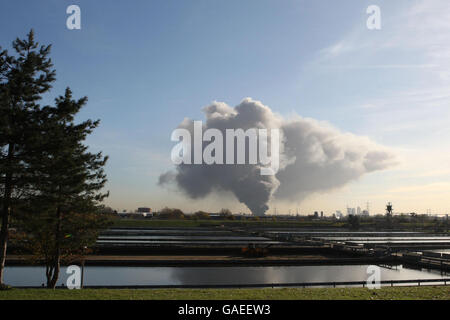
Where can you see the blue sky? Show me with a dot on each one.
(145, 65)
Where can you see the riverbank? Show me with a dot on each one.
(385, 293)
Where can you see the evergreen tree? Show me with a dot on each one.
(353, 222)
(24, 77)
(63, 216)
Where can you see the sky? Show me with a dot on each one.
(145, 65)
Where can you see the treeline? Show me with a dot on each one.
(173, 213)
(411, 222)
(50, 184)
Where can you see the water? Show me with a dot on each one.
(100, 275)
(334, 232)
(209, 243)
(392, 239)
(421, 239)
(183, 231)
(206, 238)
(446, 251)
(214, 236)
(158, 237)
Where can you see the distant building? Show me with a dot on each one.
(365, 213)
(215, 216)
(142, 212)
(145, 212)
(358, 211)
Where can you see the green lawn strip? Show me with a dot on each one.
(385, 293)
(427, 226)
(142, 223)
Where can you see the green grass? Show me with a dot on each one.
(365, 224)
(130, 223)
(385, 293)
(160, 223)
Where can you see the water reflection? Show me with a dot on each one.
(96, 275)
(253, 275)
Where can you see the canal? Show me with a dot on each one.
(135, 276)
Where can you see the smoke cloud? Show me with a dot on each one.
(314, 157)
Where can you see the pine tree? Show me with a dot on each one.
(24, 78)
(62, 217)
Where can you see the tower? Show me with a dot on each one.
(389, 209)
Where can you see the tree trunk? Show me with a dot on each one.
(3, 240)
(51, 282)
(49, 273)
(5, 212)
(53, 276)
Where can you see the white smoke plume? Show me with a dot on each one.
(314, 157)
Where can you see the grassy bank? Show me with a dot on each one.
(385, 293)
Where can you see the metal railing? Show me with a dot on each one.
(441, 281)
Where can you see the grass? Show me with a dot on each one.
(385, 293)
(130, 223)
(427, 226)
